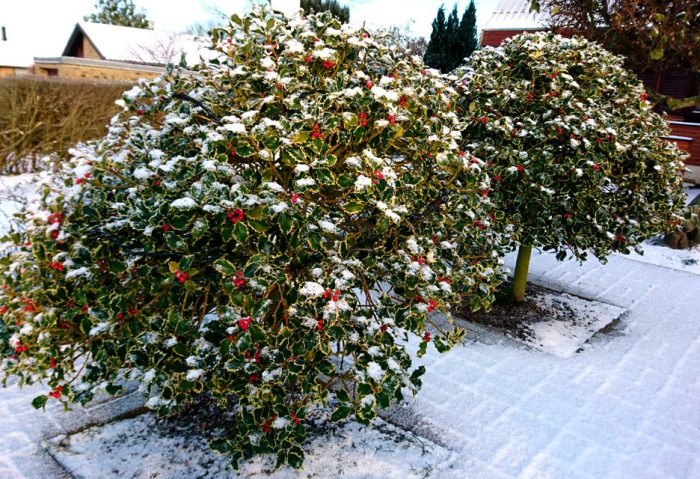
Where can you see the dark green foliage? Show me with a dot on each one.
(435, 53)
(451, 40)
(578, 160)
(317, 6)
(118, 12)
(468, 37)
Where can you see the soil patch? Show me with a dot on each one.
(553, 322)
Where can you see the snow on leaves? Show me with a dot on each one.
(249, 226)
(573, 145)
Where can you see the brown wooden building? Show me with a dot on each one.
(110, 52)
(512, 17)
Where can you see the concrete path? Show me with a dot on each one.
(628, 406)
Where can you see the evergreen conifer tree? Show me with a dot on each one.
(452, 40)
(118, 12)
(317, 6)
(434, 55)
(467, 33)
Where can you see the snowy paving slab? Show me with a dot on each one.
(661, 255)
(563, 338)
(140, 448)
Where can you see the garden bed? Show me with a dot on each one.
(553, 322)
(148, 447)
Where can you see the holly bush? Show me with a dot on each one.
(268, 229)
(578, 162)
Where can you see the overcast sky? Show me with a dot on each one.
(46, 24)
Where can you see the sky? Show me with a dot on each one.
(45, 25)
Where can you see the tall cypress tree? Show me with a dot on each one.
(452, 40)
(434, 54)
(467, 33)
(452, 43)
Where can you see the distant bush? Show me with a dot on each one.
(46, 116)
(687, 234)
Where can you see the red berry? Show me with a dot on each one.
(56, 393)
(244, 323)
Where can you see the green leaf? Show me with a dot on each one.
(353, 207)
(342, 395)
(200, 228)
(225, 267)
(341, 413)
(326, 367)
(257, 213)
(116, 266)
(259, 226)
(324, 176)
(350, 120)
(39, 401)
(244, 150)
(422, 349)
(657, 53)
(186, 262)
(86, 325)
(286, 223)
(240, 231)
(295, 457)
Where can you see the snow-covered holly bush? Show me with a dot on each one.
(267, 229)
(578, 163)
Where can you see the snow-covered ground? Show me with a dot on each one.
(13, 190)
(626, 406)
(566, 338)
(659, 254)
(139, 448)
(655, 252)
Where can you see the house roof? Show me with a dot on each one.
(139, 45)
(15, 54)
(516, 15)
